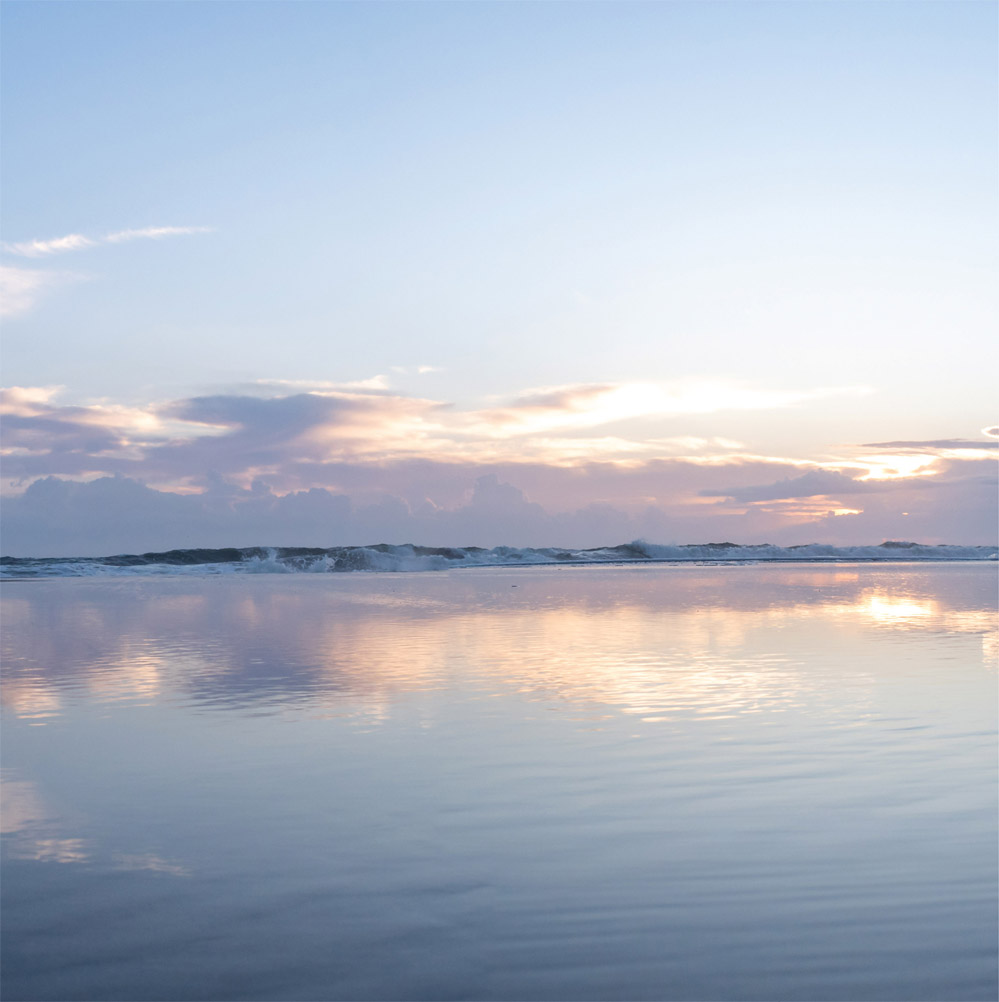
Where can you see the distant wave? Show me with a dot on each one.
(386, 557)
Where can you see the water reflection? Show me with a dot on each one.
(712, 783)
(33, 830)
(889, 609)
(30, 699)
(652, 642)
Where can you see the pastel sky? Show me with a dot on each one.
(498, 273)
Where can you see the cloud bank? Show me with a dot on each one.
(354, 465)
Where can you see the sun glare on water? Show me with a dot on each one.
(887, 609)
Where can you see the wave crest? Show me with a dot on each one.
(408, 557)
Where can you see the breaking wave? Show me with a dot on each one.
(387, 557)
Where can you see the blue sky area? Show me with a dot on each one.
(639, 258)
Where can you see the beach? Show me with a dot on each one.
(759, 781)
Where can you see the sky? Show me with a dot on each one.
(497, 273)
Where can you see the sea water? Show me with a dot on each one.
(640, 782)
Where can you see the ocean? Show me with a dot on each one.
(589, 775)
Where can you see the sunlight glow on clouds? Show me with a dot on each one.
(302, 456)
(26, 400)
(586, 406)
(893, 467)
(365, 421)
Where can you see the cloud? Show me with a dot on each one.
(154, 233)
(37, 403)
(420, 370)
(291, 439)
(21, 288)
(27, 400)
(815, 483)
(77, 241)
(910, 458)
(57, 517)
(298, 439)
(39, 436)
(590, 405)
(401, 464)
(937, 443)
(57, 245)
(320, 385)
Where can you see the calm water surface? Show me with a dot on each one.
(729, 783)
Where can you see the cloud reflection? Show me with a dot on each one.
(31, 829)
(34, 831)
(658, 643)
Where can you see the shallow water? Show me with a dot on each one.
(654, 782)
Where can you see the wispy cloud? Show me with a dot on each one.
(154, 233)
(936, 443)
(57, 245)
(78, 241)
(21, 288)
(324, 385)
(419, 370)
